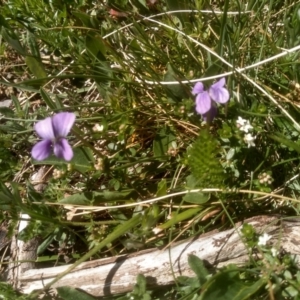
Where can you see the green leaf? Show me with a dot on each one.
(179, 5)
(79, 199)
(227, 285)
(187, 214)
(141, 283)
(143, 3)
(44, 245)
(16, 103)
(32, 44)
(175, 91)
(47, 99)
(11, 127)
(140, 289)
(13, 41)
(83, 159)
(162, 142)
(161, 188)
(58, 103)
(198, 267)
(3, 22)
(96, 46)
(191, 182)
(197, 198)
(96, 198)
(5, 199)
(68, 293)
(189, 283)
(86, 19)
(278, 137)
(51, 160)
(36, 67)
(7, 112)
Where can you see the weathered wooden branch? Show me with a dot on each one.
(23, 254)
(118, 274)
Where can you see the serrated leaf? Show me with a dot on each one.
(204, 162)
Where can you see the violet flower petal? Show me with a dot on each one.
(62, 123)
(44, 129)
(218, 93)
(41, 150)
(203, 103)
(62, 149)
(220, 83)
(198, 88)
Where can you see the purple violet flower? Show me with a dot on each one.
(216, 92)
(53, 131)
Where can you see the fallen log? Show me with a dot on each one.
(23, 254)
(115, 275)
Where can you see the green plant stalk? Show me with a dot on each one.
(119, 231)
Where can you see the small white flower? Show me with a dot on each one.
(156, 230)
(274, 252)
(249, 139)
(262, 240)
(98, 128)
(240, 122)
(243, 125)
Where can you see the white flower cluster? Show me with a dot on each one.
(265, 178)
(99, 165)
(245, 126)
(58, 173)
(98, 128)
